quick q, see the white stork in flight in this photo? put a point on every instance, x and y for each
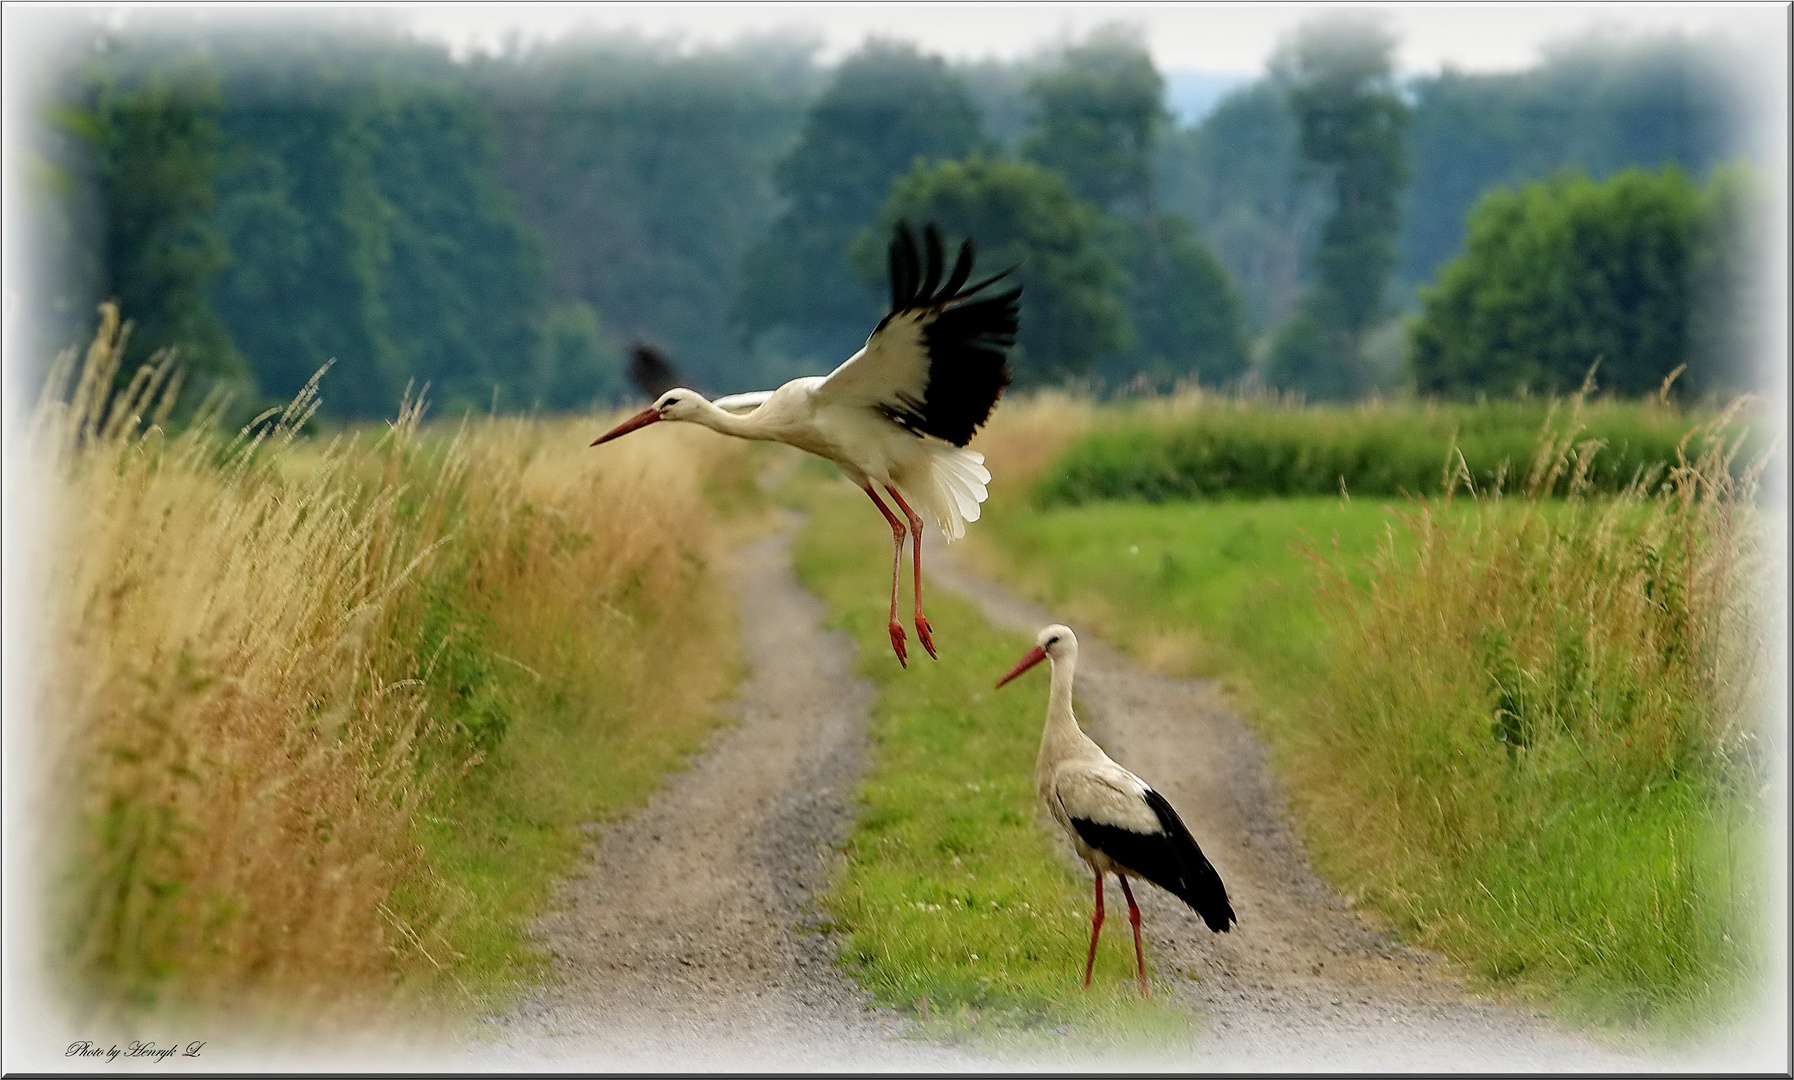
(898, 414)
(1118, 824)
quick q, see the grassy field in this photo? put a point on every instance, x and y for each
(327, 714)
(1520, 728)
(1194, 588)
(955, 904)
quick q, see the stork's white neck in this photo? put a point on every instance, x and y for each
(742, 427)
(1063, 738)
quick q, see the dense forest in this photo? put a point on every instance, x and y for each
(269, 197)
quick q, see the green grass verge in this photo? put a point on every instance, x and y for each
(955, 905)
(552, 663)
(500, 840)
(1604, 870)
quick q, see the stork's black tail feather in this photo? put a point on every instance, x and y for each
(1189, 876)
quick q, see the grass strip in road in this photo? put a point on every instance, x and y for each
(955, 904)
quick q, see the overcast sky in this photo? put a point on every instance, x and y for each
(1227, 39)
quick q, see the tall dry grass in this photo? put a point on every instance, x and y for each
(267, 657)
(1540, 742)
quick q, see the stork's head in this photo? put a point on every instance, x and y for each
(1056, 643)
(676, 404)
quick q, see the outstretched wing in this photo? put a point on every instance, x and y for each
(939, 361)
(651, 370)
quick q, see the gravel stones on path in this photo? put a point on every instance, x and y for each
(689, 941)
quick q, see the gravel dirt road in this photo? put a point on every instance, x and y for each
(687, 943)
(690, 944)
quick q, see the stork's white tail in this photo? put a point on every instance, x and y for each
(954, 488)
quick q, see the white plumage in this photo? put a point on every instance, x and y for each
(1117, 822)
(898, 413)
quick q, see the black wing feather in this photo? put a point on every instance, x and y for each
(931, 277)
(968, 341)
(652, 372)
(904, 272)
(1169, 859)
(961, 269)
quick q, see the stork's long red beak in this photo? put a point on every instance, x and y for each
(1035, 656)
(640, 420)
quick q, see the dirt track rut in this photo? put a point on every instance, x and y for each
(684, 946)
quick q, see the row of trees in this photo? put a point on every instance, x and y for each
(1114, 286)
(297, 197)
(500, 226)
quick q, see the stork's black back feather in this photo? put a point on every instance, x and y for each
(652, 372)
(1169, 859)
(968, 342)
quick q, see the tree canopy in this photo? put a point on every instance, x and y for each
(152, 151)
(1351, 122)
(1185, 314)
(1593, 105)
(1238, 177)
(648, 174)
(888, 108)
(269, 195)
(1099, 111)
(1564, 274)
(1028, 217)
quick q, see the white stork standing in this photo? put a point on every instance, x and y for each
(899, 412)
(1118, 824)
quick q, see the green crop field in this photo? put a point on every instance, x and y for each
(1201, 446)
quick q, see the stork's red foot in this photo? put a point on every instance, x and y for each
(927, 638)
(897, 638)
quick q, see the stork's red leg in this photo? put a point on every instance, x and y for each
(915, 546)
(1096, 927)
(897, 636)
(1133, 914)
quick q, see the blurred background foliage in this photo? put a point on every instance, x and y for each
(267, 196)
